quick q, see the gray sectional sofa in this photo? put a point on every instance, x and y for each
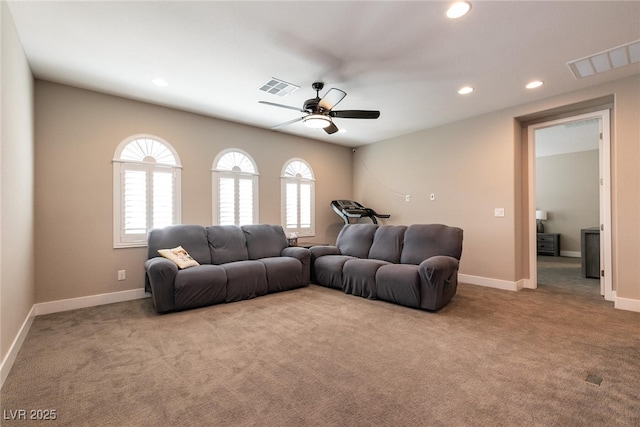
(235, 263)
(415, 265)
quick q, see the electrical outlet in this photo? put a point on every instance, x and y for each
(407, 198)
(498, 212)
(122, 274)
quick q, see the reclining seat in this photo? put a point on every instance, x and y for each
(354, 241)
(427, 276)
(359, 275)
(286, 267)
(176, 289)
(245, 278)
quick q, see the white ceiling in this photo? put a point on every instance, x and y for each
(580, 135)
(405, 59)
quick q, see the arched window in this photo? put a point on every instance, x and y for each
(298, 198)
(235, 188)
(146, 189)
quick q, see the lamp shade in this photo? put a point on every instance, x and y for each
(317, 121)
(541, 215)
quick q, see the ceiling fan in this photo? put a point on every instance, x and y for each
(319, 111)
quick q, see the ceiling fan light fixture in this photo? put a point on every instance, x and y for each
(317, 121)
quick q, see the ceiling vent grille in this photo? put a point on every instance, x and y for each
(279, 87)
(608, 60)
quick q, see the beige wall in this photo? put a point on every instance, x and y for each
(16, 185)
(77, 132)
(476, 165)
(567, 188)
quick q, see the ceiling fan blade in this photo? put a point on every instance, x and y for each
(290, 122)
(332, 128)
(282, 106)
(355, 114)
(331, 98)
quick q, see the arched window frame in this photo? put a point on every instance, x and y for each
(238, 168)
(154, 158)
(296, 180)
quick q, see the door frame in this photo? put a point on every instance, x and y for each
(604, 154)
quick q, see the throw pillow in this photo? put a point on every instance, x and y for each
(179, 256)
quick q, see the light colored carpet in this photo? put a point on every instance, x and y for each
(316, 356)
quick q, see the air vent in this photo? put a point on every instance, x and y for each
(608, 60)
(279, 87)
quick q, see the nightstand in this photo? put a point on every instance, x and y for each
(548, 244)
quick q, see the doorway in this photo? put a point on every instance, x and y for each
(565, 143)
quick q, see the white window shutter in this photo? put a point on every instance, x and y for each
(134, 201)
(163, 200)
(227, 205)
(146, 189)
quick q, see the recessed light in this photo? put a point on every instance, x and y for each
(458, 9)
(465, 90)
(534, 84)
(160, 82)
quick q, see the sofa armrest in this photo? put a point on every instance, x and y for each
(161, 274)
(438, 281)
(322, 250)
(304, 256)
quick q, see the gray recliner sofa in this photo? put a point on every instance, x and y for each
(236, 263)
(415, 265)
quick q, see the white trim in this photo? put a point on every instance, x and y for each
(626, 304)
(126, 141)
(58, 306)
(504, 285)
(215, 184)
(88, 301)
(7, 363)
(605, 198)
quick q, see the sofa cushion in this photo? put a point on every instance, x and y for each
(193, 238)
(227, 243)
(387, 243)
(283, 273)
(328, 270)
(264, 240)
(399, 283)
(359, 277)
(422, 241)
(356, 239)
(245, 280)
(200, 286)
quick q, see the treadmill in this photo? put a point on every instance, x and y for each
(347, 209)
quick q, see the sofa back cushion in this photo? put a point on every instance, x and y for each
(264, 240)
(193, 238)
(387, 243)
(227, 243)
(422, 241)
(356, 239)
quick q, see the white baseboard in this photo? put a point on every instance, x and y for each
(57, 306)
(88, 301)
(619, 303)
(7, 363)
(505, 285)
(626, 304)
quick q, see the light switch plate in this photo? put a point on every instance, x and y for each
(499, 212)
